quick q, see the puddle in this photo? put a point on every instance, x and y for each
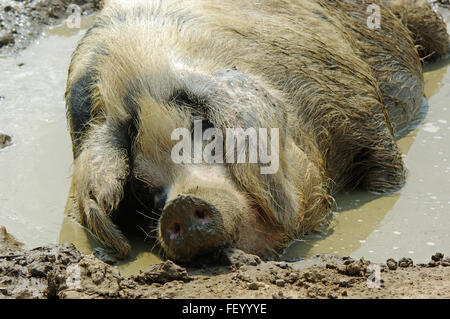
(35, 170)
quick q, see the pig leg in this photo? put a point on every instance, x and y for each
(100, 173)
(379, 167)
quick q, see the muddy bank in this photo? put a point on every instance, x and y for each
(61, 271)
(23, 21)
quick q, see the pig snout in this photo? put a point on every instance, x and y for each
(190, 226)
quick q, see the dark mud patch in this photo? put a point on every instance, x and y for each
(23, 21)
(60, 271)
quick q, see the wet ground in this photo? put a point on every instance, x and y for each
(35, 170)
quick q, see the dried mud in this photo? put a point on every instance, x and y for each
(61, 271)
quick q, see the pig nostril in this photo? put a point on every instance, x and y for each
(174, 230)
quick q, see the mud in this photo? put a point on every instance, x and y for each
(61, 271)
(7, 241)
(23, 21)
(5, 140)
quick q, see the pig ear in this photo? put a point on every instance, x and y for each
(233, 99)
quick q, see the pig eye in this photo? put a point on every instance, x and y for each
(182, 98)
(200, 214)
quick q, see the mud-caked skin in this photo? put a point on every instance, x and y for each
(337, 90)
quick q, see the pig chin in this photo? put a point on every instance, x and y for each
(202, 213)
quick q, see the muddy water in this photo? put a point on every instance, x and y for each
(35, 171)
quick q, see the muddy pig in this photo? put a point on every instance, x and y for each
(332, 90)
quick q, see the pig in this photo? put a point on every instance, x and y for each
(333, 91)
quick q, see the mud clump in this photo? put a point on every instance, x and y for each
(392, 264)
(353, 268)
(237, 258)
(405, 262)
(313, 276)
(22, 21)
(438, 259)
(5, 140)
(162, 273)
(256, 285)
